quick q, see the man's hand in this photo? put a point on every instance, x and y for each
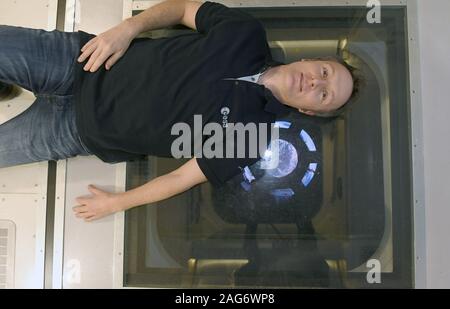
(97, 206)
(160, 188)
(109, 46)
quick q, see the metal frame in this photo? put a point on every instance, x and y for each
(60, 186)
(71, 6)
(142, 5)
(418, 185)
(41, 212)
(119, 230)
(41, 215)
(418, 173)
(58, 232)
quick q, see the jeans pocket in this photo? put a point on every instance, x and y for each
(62, 103)
(52, 100)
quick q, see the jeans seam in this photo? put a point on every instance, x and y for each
(83, 146)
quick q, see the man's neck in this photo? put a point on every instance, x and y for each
(271, 79)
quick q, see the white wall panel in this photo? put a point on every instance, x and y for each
(88, 246)
(27, 211)
(39, 14)
(98, 16)
(435, 66)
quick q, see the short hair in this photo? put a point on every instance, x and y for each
(358, 84)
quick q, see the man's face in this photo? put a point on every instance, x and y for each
(314, 86)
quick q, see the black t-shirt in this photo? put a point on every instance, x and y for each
(128, 112)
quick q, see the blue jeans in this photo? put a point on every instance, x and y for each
(42, 62)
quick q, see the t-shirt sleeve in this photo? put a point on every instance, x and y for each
(219, 170)
(211, 14)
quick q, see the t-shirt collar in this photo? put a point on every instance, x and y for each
(273, 105)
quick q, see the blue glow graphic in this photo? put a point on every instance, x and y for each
(248, 175)
(282, 194)
(308, 140)
(309, 175)
(246, 186)
(307, 178)
(312, 167)
(282, 124)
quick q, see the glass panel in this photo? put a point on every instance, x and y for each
(338, 207)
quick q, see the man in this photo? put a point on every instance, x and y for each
(127, 93)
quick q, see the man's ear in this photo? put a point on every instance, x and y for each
(310, 113)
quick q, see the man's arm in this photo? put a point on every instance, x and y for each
(111, 45)
(104, 203)
(165, 14)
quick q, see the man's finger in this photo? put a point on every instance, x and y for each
(81, 209)
(99, 61)
(90, 218)
(92, 60)
(112, 60)
(84, 215)
(87, 53)
(88, 50)
(88, 44)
